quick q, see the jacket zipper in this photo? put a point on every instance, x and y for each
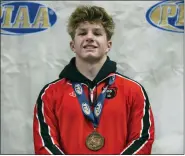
(91, 95)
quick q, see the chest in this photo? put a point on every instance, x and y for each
(116, 104)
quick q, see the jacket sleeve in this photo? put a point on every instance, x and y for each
(140, 126)
(45, 130)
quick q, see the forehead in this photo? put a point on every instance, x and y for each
(87, 26)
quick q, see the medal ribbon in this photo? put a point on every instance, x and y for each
(94, 116)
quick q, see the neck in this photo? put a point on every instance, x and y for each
(89, 69)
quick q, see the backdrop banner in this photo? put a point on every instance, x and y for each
(147, 46)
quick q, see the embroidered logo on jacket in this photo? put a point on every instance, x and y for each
(72, 94)
(111, 92)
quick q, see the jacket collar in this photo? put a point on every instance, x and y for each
(71, 73)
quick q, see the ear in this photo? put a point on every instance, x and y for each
(109, 45)
(72, 46)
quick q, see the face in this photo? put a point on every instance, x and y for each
(90, 42)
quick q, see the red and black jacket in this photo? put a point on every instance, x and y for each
(127, 123)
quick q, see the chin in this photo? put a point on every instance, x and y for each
(92, 58)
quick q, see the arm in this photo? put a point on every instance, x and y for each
(45, 130)
(140, 126)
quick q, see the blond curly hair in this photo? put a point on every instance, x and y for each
(91, 14)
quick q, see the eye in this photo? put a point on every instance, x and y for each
(82, 33)
(97, 33)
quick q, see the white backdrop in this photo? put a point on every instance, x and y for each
(147, 54)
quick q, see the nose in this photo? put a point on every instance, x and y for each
(90, 37)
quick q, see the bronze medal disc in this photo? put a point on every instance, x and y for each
(95, 141)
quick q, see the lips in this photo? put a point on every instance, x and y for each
(89, 46)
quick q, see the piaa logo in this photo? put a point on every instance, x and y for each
(18, 18)
(167, 15)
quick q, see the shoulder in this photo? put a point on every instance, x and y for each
(52, 86)
(127, 81)
(132, 86)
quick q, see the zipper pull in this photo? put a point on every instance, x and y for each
(91, 95)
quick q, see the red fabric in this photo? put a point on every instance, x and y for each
(124, 122)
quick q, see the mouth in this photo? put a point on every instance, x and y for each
(89, 47)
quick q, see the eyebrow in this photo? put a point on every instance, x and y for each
(96, 29)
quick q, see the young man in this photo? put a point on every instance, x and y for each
(91, 108)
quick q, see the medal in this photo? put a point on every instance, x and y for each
(95, 141)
